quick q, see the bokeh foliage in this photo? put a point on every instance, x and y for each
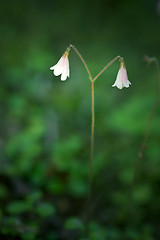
(45, 123)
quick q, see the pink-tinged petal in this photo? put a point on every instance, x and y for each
(125, 80)
(122, 78)
(65, 70)
(67, 67)
(62, 67)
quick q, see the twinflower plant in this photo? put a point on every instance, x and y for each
(62, 68)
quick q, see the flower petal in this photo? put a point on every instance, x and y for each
(63, 77)
(126, 84)
(52, 68)
(122, 78)
(119, 84)
(65, 71)
(62, 67)
(67, 67)
(58, 67)
(57, 71)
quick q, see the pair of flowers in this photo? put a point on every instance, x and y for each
(62, 68)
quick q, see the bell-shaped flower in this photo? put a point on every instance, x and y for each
(122, 78)
(62, 67)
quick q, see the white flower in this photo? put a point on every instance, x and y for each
(62, 67)
(122, 78)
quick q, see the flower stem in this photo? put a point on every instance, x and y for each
(92, 124)
(146, 133)
(93, 112)
(92, 144)
(82, 59)
(112, 61)
(143, 145)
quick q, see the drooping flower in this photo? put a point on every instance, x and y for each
(62, 66)
(122, 78)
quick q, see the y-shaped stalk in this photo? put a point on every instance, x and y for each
(93, 112)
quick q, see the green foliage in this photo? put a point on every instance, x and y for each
(74, 223)
(17, 207)
(45, 209)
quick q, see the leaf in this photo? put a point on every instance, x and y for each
(18, 207)
(45, 209)
(74, 223)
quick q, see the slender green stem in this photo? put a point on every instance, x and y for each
(82, 59)
(92, 124)
(93, 113)
(143, 145)
(92, 143)
(146, 133)
(112, 61)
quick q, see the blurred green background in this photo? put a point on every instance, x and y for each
(45, 123)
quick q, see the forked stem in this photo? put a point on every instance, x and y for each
(93, 112)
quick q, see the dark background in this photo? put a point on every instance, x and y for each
(45, 123)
